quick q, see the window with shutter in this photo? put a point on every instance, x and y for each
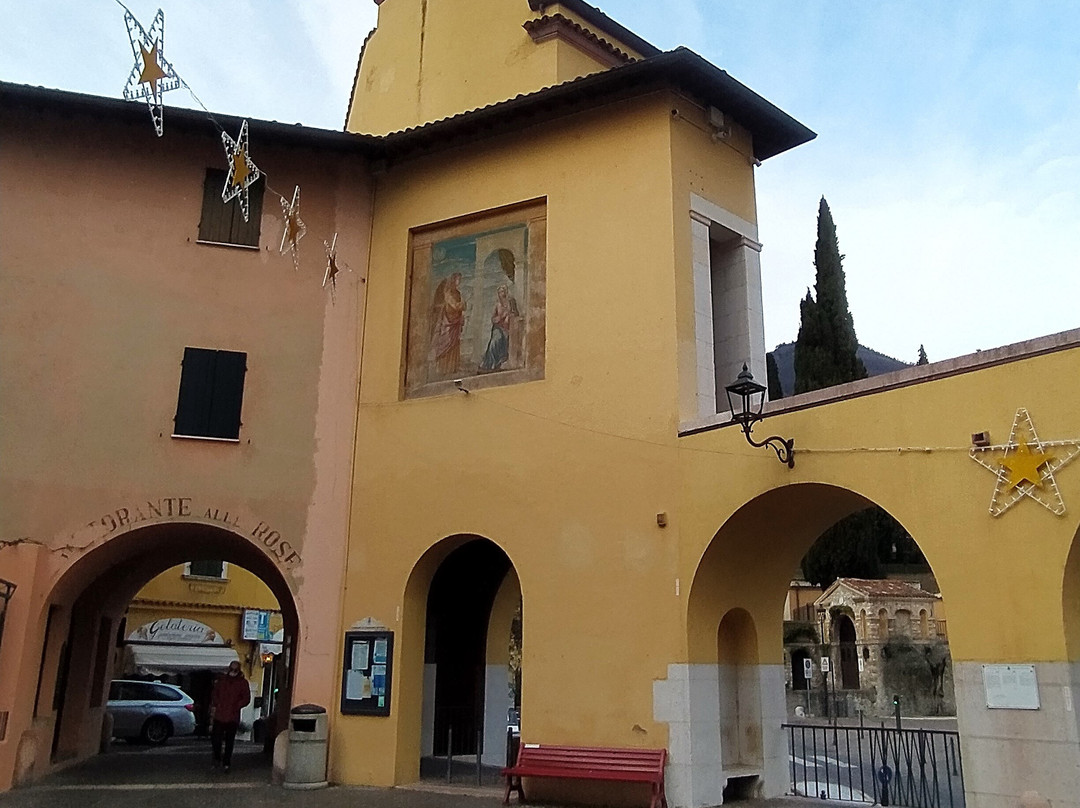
(211, 394)
(207, 569)
(223, 222)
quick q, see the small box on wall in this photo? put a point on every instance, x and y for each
(367, 672)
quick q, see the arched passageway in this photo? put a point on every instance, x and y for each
(737, 597)
(84, 636)
(468, 684)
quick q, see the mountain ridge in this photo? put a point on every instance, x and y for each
(876, 364)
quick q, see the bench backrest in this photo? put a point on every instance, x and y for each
(585, 759)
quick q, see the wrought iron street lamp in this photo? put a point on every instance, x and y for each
(745, 399)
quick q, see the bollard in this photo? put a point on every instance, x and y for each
(479, 746)
(449, 751)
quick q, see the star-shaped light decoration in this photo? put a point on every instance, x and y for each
(242, 172)
(151, 76)
(333, 267)
(294, 229)
(1025, 467)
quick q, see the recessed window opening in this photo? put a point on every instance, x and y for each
(223, 222)
(211, 394)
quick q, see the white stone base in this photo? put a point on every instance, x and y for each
(496, 705)
(427, 713)
(1009, 752)
(688, 701)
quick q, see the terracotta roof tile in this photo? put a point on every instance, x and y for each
(886, 588)
(552, 22)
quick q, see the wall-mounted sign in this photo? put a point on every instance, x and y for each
(257, 626)
(176, 631)
(1011, 687)
(366, 674)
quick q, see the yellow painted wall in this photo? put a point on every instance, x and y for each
(431, 59)
(595, 435)
(241, 589)
(1017, 561)
(568, 473)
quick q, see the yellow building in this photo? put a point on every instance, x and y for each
(517, 399)
(188, 623)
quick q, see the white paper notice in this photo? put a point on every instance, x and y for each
(1011, 687)
(359, 656)
(354, 684)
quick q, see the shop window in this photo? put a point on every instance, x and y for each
(211, 394)
(223, 222)
(205, 569)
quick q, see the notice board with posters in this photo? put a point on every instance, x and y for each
(367, 672)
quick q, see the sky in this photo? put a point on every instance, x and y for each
(948, 142)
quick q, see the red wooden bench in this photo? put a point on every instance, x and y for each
(588, 763)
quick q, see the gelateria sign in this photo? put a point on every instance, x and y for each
(176, 630)
(150, 511)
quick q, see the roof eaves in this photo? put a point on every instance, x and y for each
(772, 129)
(182, 119)
(595, 17)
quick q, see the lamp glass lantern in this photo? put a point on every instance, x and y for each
(746, 398)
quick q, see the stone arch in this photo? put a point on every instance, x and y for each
(80, 612)
(1070, 602)
(423, 728)
(733, 573)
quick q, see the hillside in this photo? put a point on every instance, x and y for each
(876, 364)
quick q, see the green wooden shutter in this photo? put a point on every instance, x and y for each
(196, 389)
(228, 395)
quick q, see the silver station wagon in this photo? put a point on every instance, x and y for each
(149, 711)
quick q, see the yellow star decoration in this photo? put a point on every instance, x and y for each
(151, 71)
(239, 168)
(294, 229)
(332, 267)
(242, 172)
(1025, 467)
(152, 76)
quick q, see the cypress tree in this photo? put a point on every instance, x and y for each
(825, 355)
(772, 372)
(922, 357)
(825, 351)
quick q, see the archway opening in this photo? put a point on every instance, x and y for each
(849, 653)
(133, 635)
(472, 648)
(882, 623)
(795, 621)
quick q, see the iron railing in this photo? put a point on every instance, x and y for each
(915, 768)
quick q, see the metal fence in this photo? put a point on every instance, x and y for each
(917, 768)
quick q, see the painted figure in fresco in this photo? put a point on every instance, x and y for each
(498, 349)
(447, 319)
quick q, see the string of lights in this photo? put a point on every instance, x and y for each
(152, 76)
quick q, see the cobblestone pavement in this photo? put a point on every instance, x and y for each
(179, 775)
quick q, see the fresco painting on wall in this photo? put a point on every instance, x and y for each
(477, 306)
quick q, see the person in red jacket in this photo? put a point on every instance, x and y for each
(231, 694)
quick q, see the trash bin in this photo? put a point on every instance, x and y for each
(305, 762)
